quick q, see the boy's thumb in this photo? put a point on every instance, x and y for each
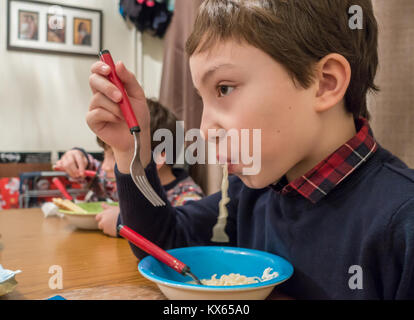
(128, 79)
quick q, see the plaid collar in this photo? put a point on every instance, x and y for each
(325, 176)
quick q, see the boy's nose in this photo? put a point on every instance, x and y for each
(208, 123)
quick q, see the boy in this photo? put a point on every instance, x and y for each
(328, 197)
(178, 185)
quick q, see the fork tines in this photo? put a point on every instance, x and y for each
(145, 187)
(140, 179)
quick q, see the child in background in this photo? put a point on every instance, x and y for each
(328, 198)
(178, 185)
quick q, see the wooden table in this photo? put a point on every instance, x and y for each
(94, 266)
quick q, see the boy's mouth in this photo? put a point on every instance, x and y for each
(231, 167)
(222, 160)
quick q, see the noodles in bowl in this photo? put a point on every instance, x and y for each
(236, 279)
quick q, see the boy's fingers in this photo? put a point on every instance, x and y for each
(101, 84)
(69, 164)
(98, 217)
(104, 206)
(98, 118)
(59, 164)
(101, 68)
(130, 82)
(101, 101)
(81, 162)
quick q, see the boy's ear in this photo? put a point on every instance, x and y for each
(333, 77)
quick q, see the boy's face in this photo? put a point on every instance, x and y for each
(244, 88)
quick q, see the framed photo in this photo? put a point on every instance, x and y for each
(53, 28)
(56, 28)
(82, 31)
(28, 25)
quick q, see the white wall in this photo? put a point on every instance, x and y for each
(152, 51)
(44, 97)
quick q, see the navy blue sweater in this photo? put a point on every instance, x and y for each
(367, 221)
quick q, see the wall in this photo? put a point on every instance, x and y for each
(44, 97)
(392, 108)
(152, 58)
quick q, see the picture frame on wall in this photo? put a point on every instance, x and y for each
(53, 28)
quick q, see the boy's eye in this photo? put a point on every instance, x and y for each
(224, 90)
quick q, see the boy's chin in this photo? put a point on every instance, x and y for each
(254, 181)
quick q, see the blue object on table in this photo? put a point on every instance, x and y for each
(209, 260)
(57, 297)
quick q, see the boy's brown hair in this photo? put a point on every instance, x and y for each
(297, 34)
(162, 118)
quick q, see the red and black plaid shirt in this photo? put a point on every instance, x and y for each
(320, 180)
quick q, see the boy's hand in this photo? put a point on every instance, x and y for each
(74, 163)
(107, 219)
(106, 120)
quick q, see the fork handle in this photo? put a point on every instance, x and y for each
(152, 249)
(62, 188)
(90, 173)
(124, 104)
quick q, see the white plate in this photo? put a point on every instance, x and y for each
(83, 221)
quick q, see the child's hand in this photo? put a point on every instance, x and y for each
(74, 163)
(105, 117)
(107, 219)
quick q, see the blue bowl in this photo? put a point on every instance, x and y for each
(204, 262)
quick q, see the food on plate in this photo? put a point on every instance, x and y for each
(65, 204)
(235, 279)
